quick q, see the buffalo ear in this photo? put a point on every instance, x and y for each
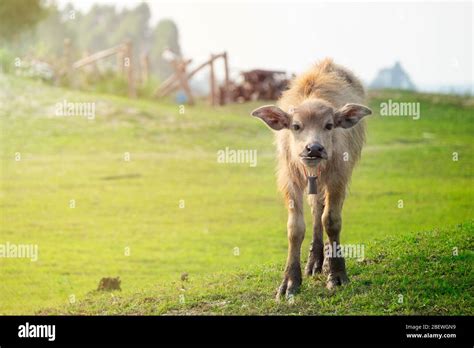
(350, 114)
(273, 116)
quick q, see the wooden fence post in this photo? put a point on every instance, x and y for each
(180, 68)
(226, 79)
(212, 82)
(128, 63)
(169, 85)
(120, 61)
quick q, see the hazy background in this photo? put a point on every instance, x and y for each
(432, 40)
(137, 191)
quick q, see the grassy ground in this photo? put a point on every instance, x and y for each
(414, 273)
(136, 204)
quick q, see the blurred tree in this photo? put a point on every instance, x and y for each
(165, 36)
(48, 38)
(95, 28)
(102, 27)
(18, 15)
(134, 26)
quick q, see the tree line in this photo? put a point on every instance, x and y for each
(28, 28)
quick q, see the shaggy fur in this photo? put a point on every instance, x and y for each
(324, 94)
(337, 86)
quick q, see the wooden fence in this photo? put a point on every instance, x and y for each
(125, 62)
(181, 77)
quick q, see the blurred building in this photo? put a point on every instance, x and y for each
(394, 77)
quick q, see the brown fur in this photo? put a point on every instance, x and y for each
(329, 82)
(318, 96)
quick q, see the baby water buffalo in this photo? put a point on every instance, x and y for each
(318, 134)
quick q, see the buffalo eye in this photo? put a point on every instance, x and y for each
(296, 127)
(329, 126)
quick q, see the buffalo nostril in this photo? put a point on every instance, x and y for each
(315, 150)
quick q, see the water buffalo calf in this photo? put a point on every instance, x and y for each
(319, 133)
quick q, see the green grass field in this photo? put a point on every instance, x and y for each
(135, 205)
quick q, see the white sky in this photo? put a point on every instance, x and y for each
(432, 40)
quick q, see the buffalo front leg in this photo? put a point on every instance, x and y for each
(316, 250)
(332, 222)
(296, 228)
